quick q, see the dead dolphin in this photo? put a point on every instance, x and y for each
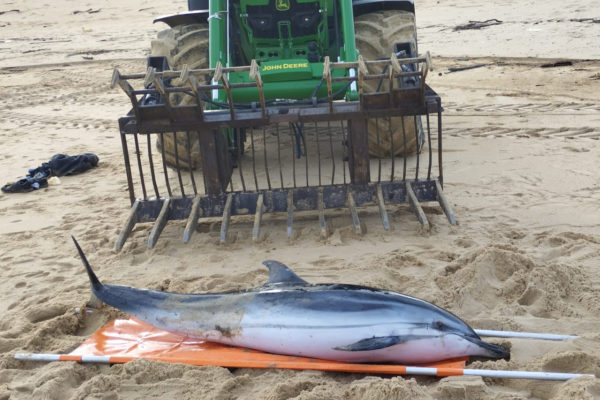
(287, 315)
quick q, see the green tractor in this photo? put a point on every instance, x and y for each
(281, 106)
(289, 39)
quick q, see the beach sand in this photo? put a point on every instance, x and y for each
(521, 162)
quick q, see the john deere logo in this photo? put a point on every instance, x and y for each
(282, 5)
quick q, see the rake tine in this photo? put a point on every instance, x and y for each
(177, 166)
(321, 207)
(127, 162)
(294, 138)
(226, 218)
(327, 77)
(151, 164)
(239, 158)
(344, 162)
(416, 206)
(382, 211)
(265, 157)
(352, 207)
(221, 76)
(302, 135)
(129, 224)
(160, 223)
(392, 147)
(378, 146)
(189, 155)
(403, 149)
(290, 213)
(255, 75)
(440, 148)
(318, 151)
(362, 71)
(418, 154)
(164, 163)
(279, 156)
(253, 158)
(444, 203)
(139, 162)
(258, 218)
(429, 146)
(193, 83)
(128, 89)
(426, 67)
(192, 220)
(116, 77)
(331, 152)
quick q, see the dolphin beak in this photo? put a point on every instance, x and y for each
(490, 350)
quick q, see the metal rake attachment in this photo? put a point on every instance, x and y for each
(279, 156)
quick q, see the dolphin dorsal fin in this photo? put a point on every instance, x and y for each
(280, 273)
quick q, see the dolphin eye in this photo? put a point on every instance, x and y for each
(439, 324)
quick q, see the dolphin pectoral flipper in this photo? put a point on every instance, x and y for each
(281, 273)
(373, 343)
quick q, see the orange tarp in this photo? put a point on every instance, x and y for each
(127, 340)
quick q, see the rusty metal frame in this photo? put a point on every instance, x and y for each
(220, 200)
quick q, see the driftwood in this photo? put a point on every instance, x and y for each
(466, 67)
(89, 11)
(557, 64)
(478, 24)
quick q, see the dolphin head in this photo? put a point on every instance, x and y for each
(448, 324)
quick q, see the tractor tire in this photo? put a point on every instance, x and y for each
(376, 33)
(185, 44)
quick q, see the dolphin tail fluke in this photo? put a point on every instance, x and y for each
(94, 281)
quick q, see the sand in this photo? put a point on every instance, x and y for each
(521, 159)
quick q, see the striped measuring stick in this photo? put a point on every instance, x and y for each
(384, 369)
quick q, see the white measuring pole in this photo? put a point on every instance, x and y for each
(66, 357)
(432, 371)
(493, 373)
(524, 335)
(547, 376)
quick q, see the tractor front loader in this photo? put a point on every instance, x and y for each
(256, 106)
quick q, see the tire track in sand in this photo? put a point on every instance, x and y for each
(526, 107)
(502, 113)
